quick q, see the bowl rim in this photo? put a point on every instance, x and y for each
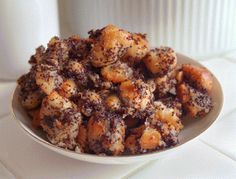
(55, 148)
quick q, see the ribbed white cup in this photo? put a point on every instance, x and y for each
(193, 27)
(24, 25)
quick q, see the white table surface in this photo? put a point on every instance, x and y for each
(213, 155)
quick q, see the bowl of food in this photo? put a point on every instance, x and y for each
(112, 99)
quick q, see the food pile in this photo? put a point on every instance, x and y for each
(110, 94)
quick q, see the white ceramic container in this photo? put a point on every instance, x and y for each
(192, 129)
(24, 25)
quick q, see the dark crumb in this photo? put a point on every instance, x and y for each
(94, 34)
(49, 120)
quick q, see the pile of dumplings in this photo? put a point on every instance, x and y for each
(110, 94)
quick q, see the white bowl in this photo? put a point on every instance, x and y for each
(192, 128)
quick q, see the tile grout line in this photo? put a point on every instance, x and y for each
(3, 162)
(129, 174)
(4, 81)
(232, 60)
(203, 60)
(213, 58)
(229, 113)
(8, 169)
(225, 115)
(217, 150)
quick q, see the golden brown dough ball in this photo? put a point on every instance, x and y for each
(53, 41)
(174, 103)
(198, 77)
(117, 72)
(75, 67)
(150, 139)
(62, 130)
(96, 129)
(32, 100)
(179, 76)
(35, 114)
(38, 56)
(57, 52)
(30, 95)
(111, 44)
(54, 104)
(142, 139)
(113, 102)
(106, 135)
(196, 103)
(136, 94)
(161, 60)
(92, 96)
(183, 93)
(68, 88)
(114, 138)
(166, 84)
(131, 144)
(90, 101)
(163, 85)
(152, 84)
(169, 134)
(139, 47)
(47, 78)
(168, 115)
(82, 138)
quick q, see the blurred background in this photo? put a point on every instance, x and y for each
(197, 28)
